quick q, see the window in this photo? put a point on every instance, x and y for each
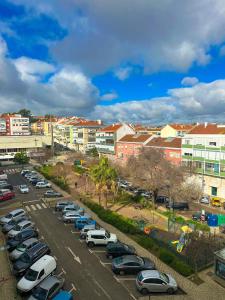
(187, 142)
(41, 273)
(188, 154)
(212, 143)
(213, 191)
(220, 269)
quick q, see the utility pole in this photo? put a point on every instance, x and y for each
(52, 137)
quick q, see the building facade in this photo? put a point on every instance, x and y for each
(175, 130)
(130, 145)
(203, 150)
(107, 137)
(14, 125)
(171, 148)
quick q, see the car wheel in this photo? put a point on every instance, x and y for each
(82, 237)
(144, 291)
(121, 272)
(110, 256)
(170, 291)
(91, 244)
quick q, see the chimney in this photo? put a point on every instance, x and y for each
(206, 123)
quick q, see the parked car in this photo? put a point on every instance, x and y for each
(3, 176)
(61, 204)
(205, 200)
(6, 194)
(11, 224)
(178, 205)
(63, 295)
(21, 248)
(72, 207)
(119, 249)
(216, 201)
(20, 227)
(41, 269)
(13, 215)
(71, 216)
(100, 237)
(43, 184)
(162, 199)
(6, 186)
(85, 229)
(29, 257)
(24, 189)
(30, 174)
(131, 264)
(82, 221)
(35, 180)
(52, 194)
(3, 182)
(24, 171)
(20, 237)
(155, 281)
(48, 288)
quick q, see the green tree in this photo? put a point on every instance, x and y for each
(21, 158)
(92, 152)
(104, 177)
(25, 112)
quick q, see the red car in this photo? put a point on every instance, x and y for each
(6, 195)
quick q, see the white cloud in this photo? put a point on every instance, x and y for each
(201, 102)
(123, 73)
(189, 81)
(32, 69)
(67, 91)
(109, 96)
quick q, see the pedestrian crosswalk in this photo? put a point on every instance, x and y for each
(34, 207)
(12, 171)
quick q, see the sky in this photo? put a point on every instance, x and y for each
(142, 61)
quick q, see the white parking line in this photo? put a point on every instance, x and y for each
(98, 251)
(31, 201)
(73, 288)
(103, 290)
(27, 208)
(126, 279)
(38, 206)
(77, 232)
(33, 207)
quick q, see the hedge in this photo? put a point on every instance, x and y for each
(128, 226)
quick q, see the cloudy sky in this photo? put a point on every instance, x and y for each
(152, 61)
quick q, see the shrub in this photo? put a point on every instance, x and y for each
(166, 256)
(181, 267)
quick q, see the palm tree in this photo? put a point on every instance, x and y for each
(104, 177)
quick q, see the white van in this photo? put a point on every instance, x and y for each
(41, 269)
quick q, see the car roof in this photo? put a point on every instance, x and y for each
(129, 258)
(41, 262)
(24, 222)
(30, 241)
(48, 282)
(16, 211)
(36, 247)
(150, 274)
(97, 231)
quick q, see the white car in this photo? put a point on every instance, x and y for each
(20, 227)
(43, 184)
(100, 237)
(205, 200)
(24, 189)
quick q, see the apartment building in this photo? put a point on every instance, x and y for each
(14, 125)
(203, 149)
(107, 137)
(175, 130)
(139, 129)
(130, 145)
(43, 126)
(170, 146)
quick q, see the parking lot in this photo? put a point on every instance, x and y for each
(87, 271)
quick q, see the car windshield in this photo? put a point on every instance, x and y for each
(21, 248)
(25, 258)
(31, 275)
(164, 277)
(23, 186)
(140, 260)
(8, 216)
(118, 260)
(107, 234)
(40, 293)
(17, 228)
(12, 222)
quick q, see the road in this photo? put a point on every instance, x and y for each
(87, 272)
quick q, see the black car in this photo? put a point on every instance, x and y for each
(162, 199)
(20, 237)
(29, 257)
(119, 249)
(11, 224)
(6, 186)
(52, 194)
(178, 205)
(34, 181)
(131, 264)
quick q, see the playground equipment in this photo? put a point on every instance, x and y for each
(184, 237)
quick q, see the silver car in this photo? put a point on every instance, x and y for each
(20, 227)
(13, 215)
(20, 249)
(155, 281)
(71, 216)
(85, 229)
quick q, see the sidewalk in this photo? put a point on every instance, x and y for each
(7, 280)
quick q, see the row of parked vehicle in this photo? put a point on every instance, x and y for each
(6, 189)
(35, 179)
(31, 261)
(125, 259)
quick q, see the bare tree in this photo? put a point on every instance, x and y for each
(62, 170)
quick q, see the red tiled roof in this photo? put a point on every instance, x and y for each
(184, 127)
(207, 128)
(111, 128)
(165, 142)
(135, 138)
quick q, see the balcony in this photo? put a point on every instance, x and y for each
(187, 146)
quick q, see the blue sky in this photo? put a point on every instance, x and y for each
(164, 63)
